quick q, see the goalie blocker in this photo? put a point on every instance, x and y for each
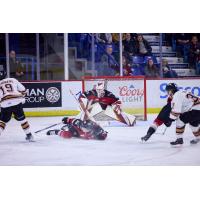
(103, 102)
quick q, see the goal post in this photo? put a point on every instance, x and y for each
(131, 90)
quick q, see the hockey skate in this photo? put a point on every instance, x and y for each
(195, 141)
(177, 142)
(29, 137)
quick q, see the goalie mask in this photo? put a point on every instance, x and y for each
(100, 89)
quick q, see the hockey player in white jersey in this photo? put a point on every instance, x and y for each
(185, 110)
(12, 94)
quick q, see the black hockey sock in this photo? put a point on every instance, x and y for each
(151, 131)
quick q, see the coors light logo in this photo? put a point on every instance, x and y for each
(131, 93)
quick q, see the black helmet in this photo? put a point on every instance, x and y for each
(172, 87)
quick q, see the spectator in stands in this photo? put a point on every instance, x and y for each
(133, 36)
(151, 69)
(105, 38)
(115, 37)
(165, 63)
(129, 45)
(182, 45)
(126, 67)
(167, 37)
(84, 45)
(167, 71)
(142, 46)
(16, 69)
(194, 52)
(129, 58)
(108, 65)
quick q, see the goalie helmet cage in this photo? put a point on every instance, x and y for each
(131, 90)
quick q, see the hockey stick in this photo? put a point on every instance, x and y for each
(163, 132)
(76, 100)
(83, 110)
(47, 127)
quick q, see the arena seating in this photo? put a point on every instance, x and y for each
(168, 53)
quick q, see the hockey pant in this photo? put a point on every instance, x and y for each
(192, 118)
(163, 116)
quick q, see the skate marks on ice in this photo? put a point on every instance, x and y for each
(122, 147)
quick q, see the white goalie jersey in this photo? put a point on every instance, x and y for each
(183, 102)
(12, 92)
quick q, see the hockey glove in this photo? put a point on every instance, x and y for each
(169, 122)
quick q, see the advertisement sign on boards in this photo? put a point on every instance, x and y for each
(43, 95)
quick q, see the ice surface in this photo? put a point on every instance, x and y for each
(122, 147)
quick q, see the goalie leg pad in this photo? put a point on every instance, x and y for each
(123, 117)
(128, 119)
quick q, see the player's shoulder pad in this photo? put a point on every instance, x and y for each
(179, 95)
(13, 79)
(9, 79)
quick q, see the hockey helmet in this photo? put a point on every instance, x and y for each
(172, 87)
(100, 86)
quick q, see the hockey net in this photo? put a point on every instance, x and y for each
(130, 90)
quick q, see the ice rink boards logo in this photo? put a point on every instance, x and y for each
(52, 94)
(43, 95)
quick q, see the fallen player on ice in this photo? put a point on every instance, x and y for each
(78, 128)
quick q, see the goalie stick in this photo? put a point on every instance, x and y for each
(81, 108)
(105, 123)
